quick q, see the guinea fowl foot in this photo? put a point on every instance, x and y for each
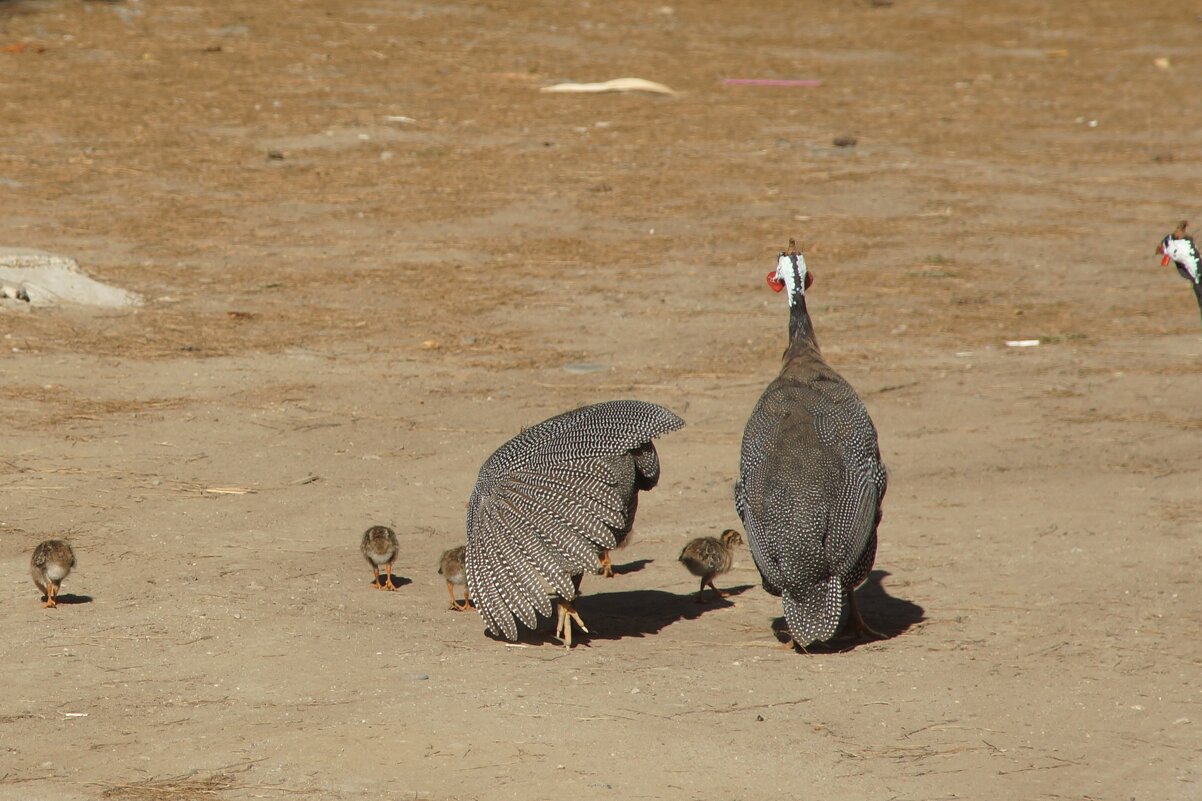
(856, 626)
(563, 623)
(607, 566)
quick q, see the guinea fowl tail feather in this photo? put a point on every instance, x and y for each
(815, 613)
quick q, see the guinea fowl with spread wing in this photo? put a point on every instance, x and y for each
(549, 500)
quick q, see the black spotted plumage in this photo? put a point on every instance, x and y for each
(811, 482)
(549, 499)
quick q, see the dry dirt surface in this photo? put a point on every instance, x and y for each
(371, 250)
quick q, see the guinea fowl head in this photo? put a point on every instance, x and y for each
(1179, 247)
(791, 273)
(731, 538)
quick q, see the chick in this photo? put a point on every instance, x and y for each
(708, 557)
(52, 561)
(379, 547)
(450, 567)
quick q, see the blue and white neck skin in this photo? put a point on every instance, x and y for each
(791, 271)
(1184, 253)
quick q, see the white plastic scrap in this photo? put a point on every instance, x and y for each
(616, 85)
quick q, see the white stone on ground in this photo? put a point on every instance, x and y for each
(49, 279)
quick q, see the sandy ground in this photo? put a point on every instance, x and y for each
(371, 251)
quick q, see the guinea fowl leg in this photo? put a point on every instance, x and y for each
(51, 593)
(563, 623)
(856, 624)
(607, 566)
(388, 585)
(566, 613)
(455, 603)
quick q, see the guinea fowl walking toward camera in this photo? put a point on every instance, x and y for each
(549, 500)
(810, 481)
(1179, 248)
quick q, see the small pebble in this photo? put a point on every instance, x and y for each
(845, 141)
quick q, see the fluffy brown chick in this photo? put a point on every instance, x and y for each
(710, 556)
(51, 562)
(450, 567)
(379, 548)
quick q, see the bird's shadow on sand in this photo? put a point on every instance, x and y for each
(69, 598)
(888, 615)
(631, 567)
(629, 613)
(397, 581)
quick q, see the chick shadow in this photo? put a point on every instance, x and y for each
(397, 581)
(886, 614)
(69, 598)
(631, 567)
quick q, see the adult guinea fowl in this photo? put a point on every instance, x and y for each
(549, 500)
(1179, 248)
(811, 480)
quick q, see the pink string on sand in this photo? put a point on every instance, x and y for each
(805, 82)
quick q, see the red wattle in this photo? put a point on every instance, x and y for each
(774, 282)
(809, 279)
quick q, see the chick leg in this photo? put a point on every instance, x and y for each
(563, 623)
(388, 585)
(51, 596)
(856, 624)
(467, 597)
(701, 592)
(607, 566)
(375, 577)
(717, 592)
(455, 603)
